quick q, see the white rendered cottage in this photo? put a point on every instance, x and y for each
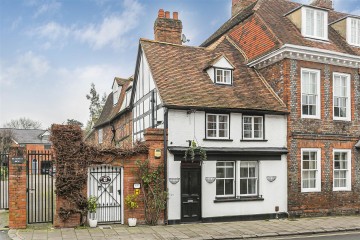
(210, 97)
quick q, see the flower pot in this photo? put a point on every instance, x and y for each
(132, 222)
(92, 223)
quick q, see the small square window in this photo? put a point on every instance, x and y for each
(253, 127)
(217, 126)
(223, 76)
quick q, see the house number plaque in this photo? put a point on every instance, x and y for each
(104, 179)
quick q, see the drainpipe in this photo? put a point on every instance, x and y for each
(165, 158)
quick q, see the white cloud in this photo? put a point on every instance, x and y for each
(16, 23)
(47, 8)
(110, 32)
(52, 31)
(26, 67)
(47, 93)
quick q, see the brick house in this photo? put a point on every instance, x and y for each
(209, 96)
(114, 125)
(31, 139)
(310, 56)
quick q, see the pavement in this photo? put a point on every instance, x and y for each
(197, 231)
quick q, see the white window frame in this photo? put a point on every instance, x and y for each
(100, 135)
(252, 127)
(217, 126)
(256, 178)
(348, 32)
(348, 92)
(304, 23)
(348, 170)
(317, 187)
(233, 178)
(223, 70)
(318, 97)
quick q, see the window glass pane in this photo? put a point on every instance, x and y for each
(247, 119)
(320, 24)
(220, 173)
(229, 172)
(220, 187)
(310, 22)
(252, 186)
(229, 186)
(244, 172)
(227, 76)
(243, 186)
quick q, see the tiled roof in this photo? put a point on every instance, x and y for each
(273, 13)
(180, 76)
(28, 136)
(230, 24)
(110, 111)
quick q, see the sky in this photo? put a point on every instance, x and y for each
(52, 50)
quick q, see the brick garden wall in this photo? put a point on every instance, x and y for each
(325, 133)
(154, 139)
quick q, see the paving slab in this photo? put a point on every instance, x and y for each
(198, 231)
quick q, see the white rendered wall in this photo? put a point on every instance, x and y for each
(144, 85)
(182, 125)
(181, 128)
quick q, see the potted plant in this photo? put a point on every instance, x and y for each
(194, 150)
(92, 205)
(131, 202)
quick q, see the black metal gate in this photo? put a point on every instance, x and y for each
(40, 187)
(4, 181)
(105, 184)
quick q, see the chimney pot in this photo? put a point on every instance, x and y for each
(167, 29)
(323, 4)
(167, 14)
(161, 13)
(239, 5)
(175, 15)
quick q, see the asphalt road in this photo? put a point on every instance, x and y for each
(329, 236)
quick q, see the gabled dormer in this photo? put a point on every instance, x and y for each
(116, 90)
(312, 21)
(349, 29)
(220, 71)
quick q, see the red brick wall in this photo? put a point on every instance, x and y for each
(154, 139)
(17, 189)
(253, 37)
(324, 133)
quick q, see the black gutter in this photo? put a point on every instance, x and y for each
(165, 159)
(227, 110)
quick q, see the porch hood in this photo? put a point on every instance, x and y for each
(233, 154)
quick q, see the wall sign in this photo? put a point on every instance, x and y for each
(104, 179)
(17, 160)
(137, 185)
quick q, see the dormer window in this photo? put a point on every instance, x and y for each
(314, 23)
(223, 76)
(353, 31)
(220, 71)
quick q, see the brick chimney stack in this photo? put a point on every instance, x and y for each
(239, 5)
(167, 29)
(323, 4)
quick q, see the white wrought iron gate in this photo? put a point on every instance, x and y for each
(105, 183)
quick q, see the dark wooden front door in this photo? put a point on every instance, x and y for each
(190, 193)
